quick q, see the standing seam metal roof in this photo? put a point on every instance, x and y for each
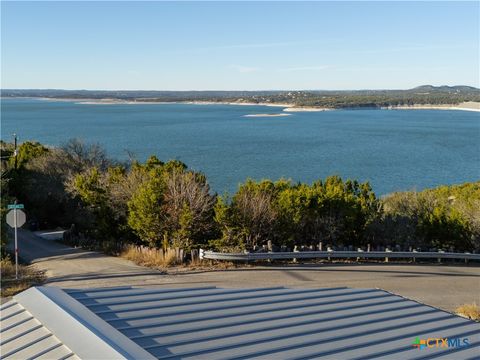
(24, 337)
(277, 323)
(259, 323)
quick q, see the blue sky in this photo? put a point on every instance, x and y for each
(239, 46)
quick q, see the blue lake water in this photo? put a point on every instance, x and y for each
(394, 150)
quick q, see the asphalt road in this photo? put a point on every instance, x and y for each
(69, 267)
(443, 286)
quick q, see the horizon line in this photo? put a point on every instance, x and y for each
(236, 90)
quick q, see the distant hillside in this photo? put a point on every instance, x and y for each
(445, 88)
(130, 94)
(421, 95)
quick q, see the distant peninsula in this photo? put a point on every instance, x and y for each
(422, 97)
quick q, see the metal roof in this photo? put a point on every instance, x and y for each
(69, 323)
(259, 323)
(24, 337)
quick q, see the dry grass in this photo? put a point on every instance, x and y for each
(157, 258)
(28, 276)
(214, 265)
(470, 311)
(211, 265)
(150, 257)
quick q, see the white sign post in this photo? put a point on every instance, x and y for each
(16, 218)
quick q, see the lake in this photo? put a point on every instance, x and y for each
(393, 149)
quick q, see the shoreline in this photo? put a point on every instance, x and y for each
(465, 106)
(232, 103)
(102, 101)
(307, 109)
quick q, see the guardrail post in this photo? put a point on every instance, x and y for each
(441, 252)
(368, 248)
(269, 249)
(329, 249)
(320, 246)
(466, 259)
(414, 258)
(295, 249)
(359, 250)
(387, 250)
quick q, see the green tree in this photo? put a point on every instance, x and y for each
(145, 216)
(26, 152)
(173, 201)
(444, 217)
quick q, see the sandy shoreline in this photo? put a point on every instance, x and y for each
(104, 101)
(286, 107)
(134, 102)
(306, 109)
(232, 103)
(465, 106)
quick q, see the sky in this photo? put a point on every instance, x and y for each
(238, 45)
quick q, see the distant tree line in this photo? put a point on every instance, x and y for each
(426, 94)
(163, 204)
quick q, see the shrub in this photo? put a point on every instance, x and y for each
(470, 311)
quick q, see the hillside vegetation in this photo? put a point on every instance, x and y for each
(421, 95)
(165, 204)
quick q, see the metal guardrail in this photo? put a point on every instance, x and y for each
(337, 255)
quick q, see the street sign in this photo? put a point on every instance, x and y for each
(21, 218)
(15, 206)
(16, 218)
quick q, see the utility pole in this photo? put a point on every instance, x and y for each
(15, 151)
(16, 235)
